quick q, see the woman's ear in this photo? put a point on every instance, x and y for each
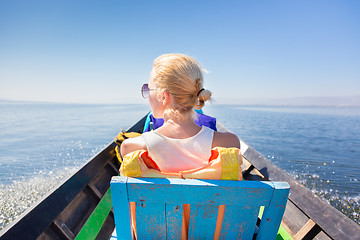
(166, 98)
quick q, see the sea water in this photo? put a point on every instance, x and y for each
(318, 146)
(41, 145)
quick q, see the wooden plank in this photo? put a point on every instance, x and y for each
(305, 231)
(239, 222)
(255, 175)
(112, 165)
(94, 223)
(250, 172)
(121, 207)
(283, 234)
(202, 221)
(246, 167)
(95, 190)
(294, 219)
(333, 222)
(250, 191)
(322, 236)
(107, 228)
(150, 220)
(151, 195)
(174, 215)
(272, 215)
(64, 229)
(79, 210)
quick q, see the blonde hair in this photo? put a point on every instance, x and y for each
(181, 76)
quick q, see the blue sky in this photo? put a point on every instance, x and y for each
(102, 51)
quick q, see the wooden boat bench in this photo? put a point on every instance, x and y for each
(159, 207)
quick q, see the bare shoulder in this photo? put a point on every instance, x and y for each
(132, 144)
(225, 139)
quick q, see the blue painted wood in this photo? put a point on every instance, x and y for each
(250, 193)
(150, 220)
(239, 222)
(272, 215)
(157, 198)
(174, 213)
(202, 221)
(121, 208)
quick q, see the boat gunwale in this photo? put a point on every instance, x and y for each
(311, 206)
(33, 222)
(331, 221)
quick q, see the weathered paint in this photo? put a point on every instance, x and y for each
(274, 212)
(243, 218)
(153, 194)
(174, 213)
(202, 221)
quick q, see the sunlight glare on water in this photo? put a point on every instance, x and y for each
(318, 146)
(41, 145)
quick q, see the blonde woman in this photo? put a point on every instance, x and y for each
(175, 89)
(180, 148)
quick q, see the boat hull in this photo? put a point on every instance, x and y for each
(65, 212)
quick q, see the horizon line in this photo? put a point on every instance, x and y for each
(209, 104)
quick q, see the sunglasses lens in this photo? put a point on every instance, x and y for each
(145, 90)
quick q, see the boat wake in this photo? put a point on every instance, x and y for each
(19, 196)
(348, 204)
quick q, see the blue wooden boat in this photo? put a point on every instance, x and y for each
(80, 208)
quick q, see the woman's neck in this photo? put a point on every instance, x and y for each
(182, 127)
(179, 123)
(181, 120)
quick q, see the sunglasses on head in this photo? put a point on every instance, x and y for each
(145, 90)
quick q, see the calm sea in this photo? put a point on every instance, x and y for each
(43, 144)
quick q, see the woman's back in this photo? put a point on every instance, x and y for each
(175, 89)
(179, 154)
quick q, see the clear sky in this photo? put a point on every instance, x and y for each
(102, 51)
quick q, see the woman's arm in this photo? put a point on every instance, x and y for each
(131, 145)
(225, 139)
